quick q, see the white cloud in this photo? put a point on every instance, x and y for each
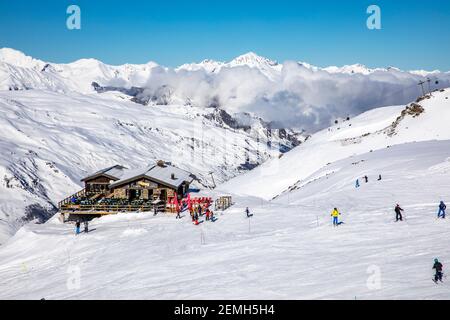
(299, 96)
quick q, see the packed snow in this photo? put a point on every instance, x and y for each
(287, 250)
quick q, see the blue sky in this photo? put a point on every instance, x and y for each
(414, 35)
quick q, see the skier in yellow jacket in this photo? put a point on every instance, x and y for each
(335, 214)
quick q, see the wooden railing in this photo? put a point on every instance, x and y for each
(81, 193)
(105, 208)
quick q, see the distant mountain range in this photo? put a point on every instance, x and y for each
(292, 94)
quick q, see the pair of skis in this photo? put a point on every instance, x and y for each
(437, 281)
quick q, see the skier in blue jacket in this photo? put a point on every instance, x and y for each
(442, 208)
(77, 227)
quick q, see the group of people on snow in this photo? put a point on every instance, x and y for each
(197, 212)
(438, 267)
(78, 226)
(366, 180)
(441, 211)
(398, 213)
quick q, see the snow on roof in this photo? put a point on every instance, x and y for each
(116, 171)
(131, 174)
(166, 174)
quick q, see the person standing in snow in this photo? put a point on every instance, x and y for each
(438, 267)
(398, 213)
(86, 226)
(366, 178)
(357, 183)
(196, 217)
(442, 208)
(207, 214)
(379, 177)
(247, 212)
(178, 214)
(335, 214)
(77, 227)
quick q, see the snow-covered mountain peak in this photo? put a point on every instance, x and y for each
(18, 58)
(207, 65)
(251, 59)
(351, 69)
(86, 62)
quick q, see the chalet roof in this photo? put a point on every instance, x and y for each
(163, 173)
(114, 172)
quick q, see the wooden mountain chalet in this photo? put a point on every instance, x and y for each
(119, 189)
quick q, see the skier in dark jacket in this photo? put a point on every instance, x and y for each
(86, 226)
(438, 267)
(379, 177)
(398, 213)
(442, 208)
(247, 212)
(366, 178)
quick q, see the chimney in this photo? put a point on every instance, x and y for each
(161, 163)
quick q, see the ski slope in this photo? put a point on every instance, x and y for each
(288, 250)
(50, 140)
(373, 130)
